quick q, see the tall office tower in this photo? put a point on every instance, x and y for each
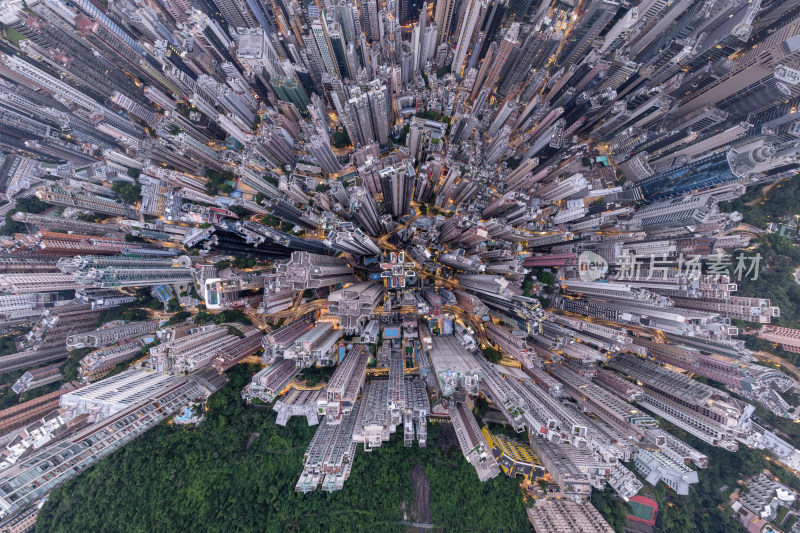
(763, 94)
(474, 79)
(347, 15)
(361, 116)
(416, 52)
(683, 211)
(353, 63)
(668, 63)
(339, 47)
(370, 20)
(313, 60)
(354, 304)
(322, 152)
(654, 20)
(724, 33)
(348, 238)
(305, 270)
(519, 178)
(319, 29)
(290, 90)
(593, 21)
(642, 116)
(472, 236)
(507, 45)
(409, 11)
(381, 108)
(546, 122)
(416, 135)
(702, 147)
(530, 55)
(700, 119)
(619, 72)
(469, 19)
(620, 33)
(501, 206)
(423, 187)
(278, 149)
(685, 28)
(500, 118)
(259, 234)
(397, 185)
(498, 145)
(362, 207)
(560, 189)
(282, 208)
(445, 10)
(236, 13)
(428, 42)
(448, 188)
(705, 412)
(636, 168)
(418, 45)
(392, 33)
(776, 50)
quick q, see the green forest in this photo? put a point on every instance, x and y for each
(779, 259)
(778, 203)
(237, 470)
(706, 508)
(780, 200)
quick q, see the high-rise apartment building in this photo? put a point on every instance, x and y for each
(305, 270)
(354, 304)
(707, 413)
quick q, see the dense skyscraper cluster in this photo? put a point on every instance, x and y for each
(526, 203)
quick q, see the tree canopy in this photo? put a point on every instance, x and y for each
(237, 471)
(130, 193)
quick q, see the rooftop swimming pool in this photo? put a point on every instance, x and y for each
(185, 416)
